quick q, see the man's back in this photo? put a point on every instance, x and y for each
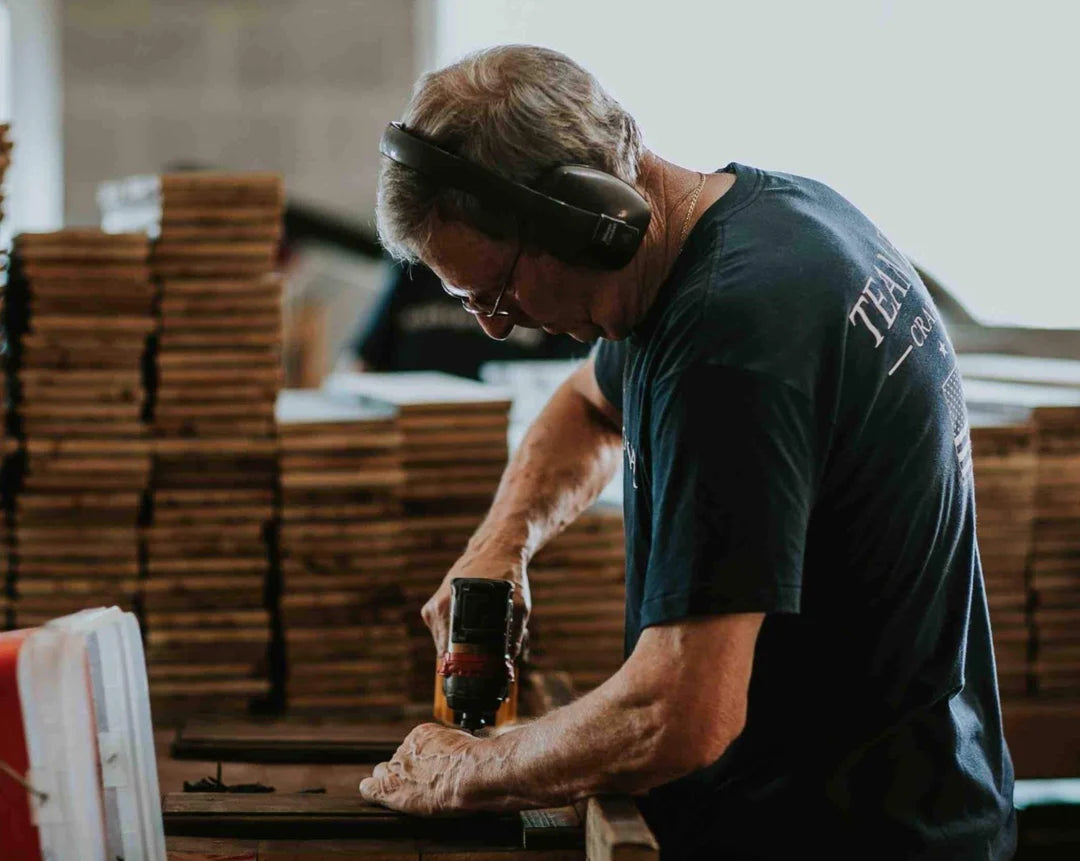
(797, 443)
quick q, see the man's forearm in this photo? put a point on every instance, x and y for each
(615, 739)
(567, 457)
(673, 707)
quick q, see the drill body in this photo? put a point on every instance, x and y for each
(476, 669)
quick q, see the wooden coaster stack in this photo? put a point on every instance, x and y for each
(219, 355)
(1055, 563)
(342, 555)
(80, 311)
(1041, 397)
(1005, 475)
(218, 361)
(454, 449)
(208, 563)
(578, 592)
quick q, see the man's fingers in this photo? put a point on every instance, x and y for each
(435, 614)
(522, 644)
(518, 630)
(369, 789)
(380, 789)
(439, 636)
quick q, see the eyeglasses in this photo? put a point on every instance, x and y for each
(476, 310)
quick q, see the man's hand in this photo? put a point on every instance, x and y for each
(485, 565)
(427, 774)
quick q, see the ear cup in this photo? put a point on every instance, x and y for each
(596, 191)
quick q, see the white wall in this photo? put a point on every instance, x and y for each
(954, 125)
(303, 87)
(33, 102)
(5, 62)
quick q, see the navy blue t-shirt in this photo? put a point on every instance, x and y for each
(796, 443)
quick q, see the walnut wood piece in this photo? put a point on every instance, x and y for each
(289, 741)
(304, 816)
(210, 849)
(616, 831)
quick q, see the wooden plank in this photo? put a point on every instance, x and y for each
(555, 827)
(616, 831)
(289, 741)
(339, 850)
(456, 852)
(302, 816)
(210, 849)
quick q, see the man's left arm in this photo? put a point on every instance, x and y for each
(673, 707)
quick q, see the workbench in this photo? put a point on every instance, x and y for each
(334, 822)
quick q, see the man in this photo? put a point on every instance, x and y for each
(809, 665)
(415, 326)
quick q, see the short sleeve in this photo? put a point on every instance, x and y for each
(609, 360)
(732, 487)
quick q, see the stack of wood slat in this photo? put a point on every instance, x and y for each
(80, 311)
(342, 555)
(1025, 416)
(454, 449)
(1005, 475)
(578, 592)
(208, 564)
(1055, 563)
(217, 361)
(215, 465)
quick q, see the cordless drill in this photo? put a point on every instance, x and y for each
(477, 670)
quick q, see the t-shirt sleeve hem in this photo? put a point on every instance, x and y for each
(604, 370)
(674, 606)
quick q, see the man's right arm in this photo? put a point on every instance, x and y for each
(567, 457)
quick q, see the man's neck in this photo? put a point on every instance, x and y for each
(671, 191)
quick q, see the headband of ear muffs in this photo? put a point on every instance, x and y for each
(578, 214)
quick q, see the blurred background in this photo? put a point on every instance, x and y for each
(952, 125)
(947, 123)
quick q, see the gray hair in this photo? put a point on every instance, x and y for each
(519, 110)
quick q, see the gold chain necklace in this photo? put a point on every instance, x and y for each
(690, 212)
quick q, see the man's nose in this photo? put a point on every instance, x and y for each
(498, 328)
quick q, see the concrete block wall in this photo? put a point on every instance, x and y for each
(299, 86)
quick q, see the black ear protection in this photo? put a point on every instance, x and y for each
(578, 214)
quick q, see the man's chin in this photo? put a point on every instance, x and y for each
(586, 335)
(583, 335)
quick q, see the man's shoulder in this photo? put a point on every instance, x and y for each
(766, 285)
